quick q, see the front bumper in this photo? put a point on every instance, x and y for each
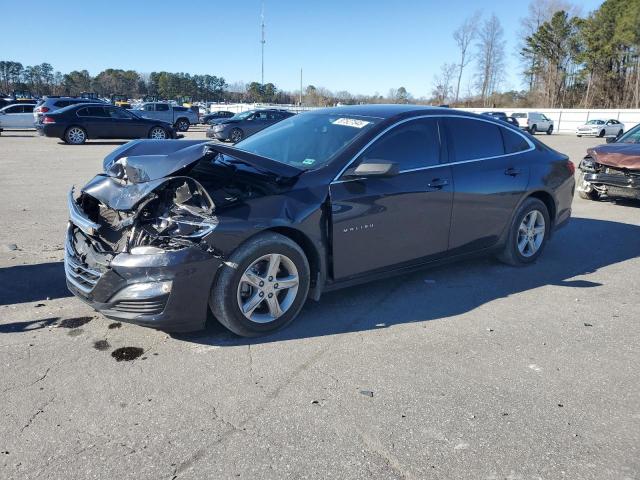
(169, 291)
(611, 182)
(587, 133)
(218, 135)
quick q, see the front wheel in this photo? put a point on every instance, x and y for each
(620, 132)
(236, 135)
(182, 125)
(266, 287)
(550, 130)
(158, 133)
(528, 234)
(601, 134)
(75, 136)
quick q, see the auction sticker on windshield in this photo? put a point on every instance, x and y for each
(350, 122)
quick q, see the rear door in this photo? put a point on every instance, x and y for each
(490, 176)
(381, 222)
(164, 112)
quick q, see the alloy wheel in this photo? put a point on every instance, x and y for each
(76, 135)
(268, 288)
(236, 135)
(531, 233)
(158, 133)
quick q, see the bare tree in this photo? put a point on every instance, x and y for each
(490, 57)
(443, 83)
(464, 36)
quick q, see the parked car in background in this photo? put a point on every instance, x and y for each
(534, 122)
(245, 124)
(612, 169)
(210, 118)
(512, 121)
(180, 117)
(77, 123)
(499, 115)
(170, 230)
(600, 128)
(17, 116)
(52, 103)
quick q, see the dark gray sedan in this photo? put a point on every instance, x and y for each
(245, 124)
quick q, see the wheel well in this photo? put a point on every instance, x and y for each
(547, 199)
(313, 257)
(182, 118)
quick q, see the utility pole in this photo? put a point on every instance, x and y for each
(262, 41)
(300, 87)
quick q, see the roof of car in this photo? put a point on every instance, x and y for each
(384, 110)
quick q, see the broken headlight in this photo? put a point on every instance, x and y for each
(588, 164)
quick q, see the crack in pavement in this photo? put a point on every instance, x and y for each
(38, 412)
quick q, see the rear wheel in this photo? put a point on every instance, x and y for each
(528, 233)
(75, 136)
(182, 124)
(265, 289)
(533, 129)
(158, 133)
(236, 135)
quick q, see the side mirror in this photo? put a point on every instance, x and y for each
(611, 139)
(375, 168)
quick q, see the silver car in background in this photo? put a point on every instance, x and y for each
(601, 128)
(18, 116)
(180, 117)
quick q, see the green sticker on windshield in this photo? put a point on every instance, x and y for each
(309, 161)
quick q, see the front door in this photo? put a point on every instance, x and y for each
(382, 222)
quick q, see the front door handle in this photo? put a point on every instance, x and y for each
(438, 183)
(512, 172)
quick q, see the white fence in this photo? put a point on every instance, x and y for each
(565, 120)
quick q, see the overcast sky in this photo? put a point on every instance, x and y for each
(356, 45)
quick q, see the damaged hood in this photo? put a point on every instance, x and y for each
(620, 155)
(148, 160)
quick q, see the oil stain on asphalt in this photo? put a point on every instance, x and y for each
(74, 322)
(127, 354)
(114, 325)
(101, 345)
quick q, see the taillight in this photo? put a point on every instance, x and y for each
(571, 167)
(48, 120)
(44, 109)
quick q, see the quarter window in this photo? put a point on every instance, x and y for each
(474, 139)
(414, 144)
(513, 142)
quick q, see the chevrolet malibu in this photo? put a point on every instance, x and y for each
(319, 201)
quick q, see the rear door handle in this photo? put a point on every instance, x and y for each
(512, 172)
(438, 183)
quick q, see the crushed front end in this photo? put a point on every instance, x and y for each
(613, 181)
(137, 252)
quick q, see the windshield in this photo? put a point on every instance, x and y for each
(632, 136)
(595, 122)
(308, 140)
(243, 115)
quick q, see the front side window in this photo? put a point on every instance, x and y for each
(118, 113)
(14, 109)
(414, 144)
(474, 139)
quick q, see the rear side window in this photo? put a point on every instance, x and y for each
(474, 139)
(513, 142)
(28, 108)
(413, 144)
(92, 112)
(62, 103)
(162, 107)
(180, 109)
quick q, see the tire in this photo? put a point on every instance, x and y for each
(182, 124)
(578, 136)
(158, 133)
(601, 134)
(75, 135)
(232, 289)
(236, 135)
(550, 130)
(533, 129)
(620, 132)
(512, 254)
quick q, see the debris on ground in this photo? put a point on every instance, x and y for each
(367, 393)
(114, 325)
(9, 247)
(38, 305)
(587, 324)
(126, 354)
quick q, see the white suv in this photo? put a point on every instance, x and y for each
(534, 122)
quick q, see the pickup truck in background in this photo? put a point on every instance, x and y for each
(180, 117)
